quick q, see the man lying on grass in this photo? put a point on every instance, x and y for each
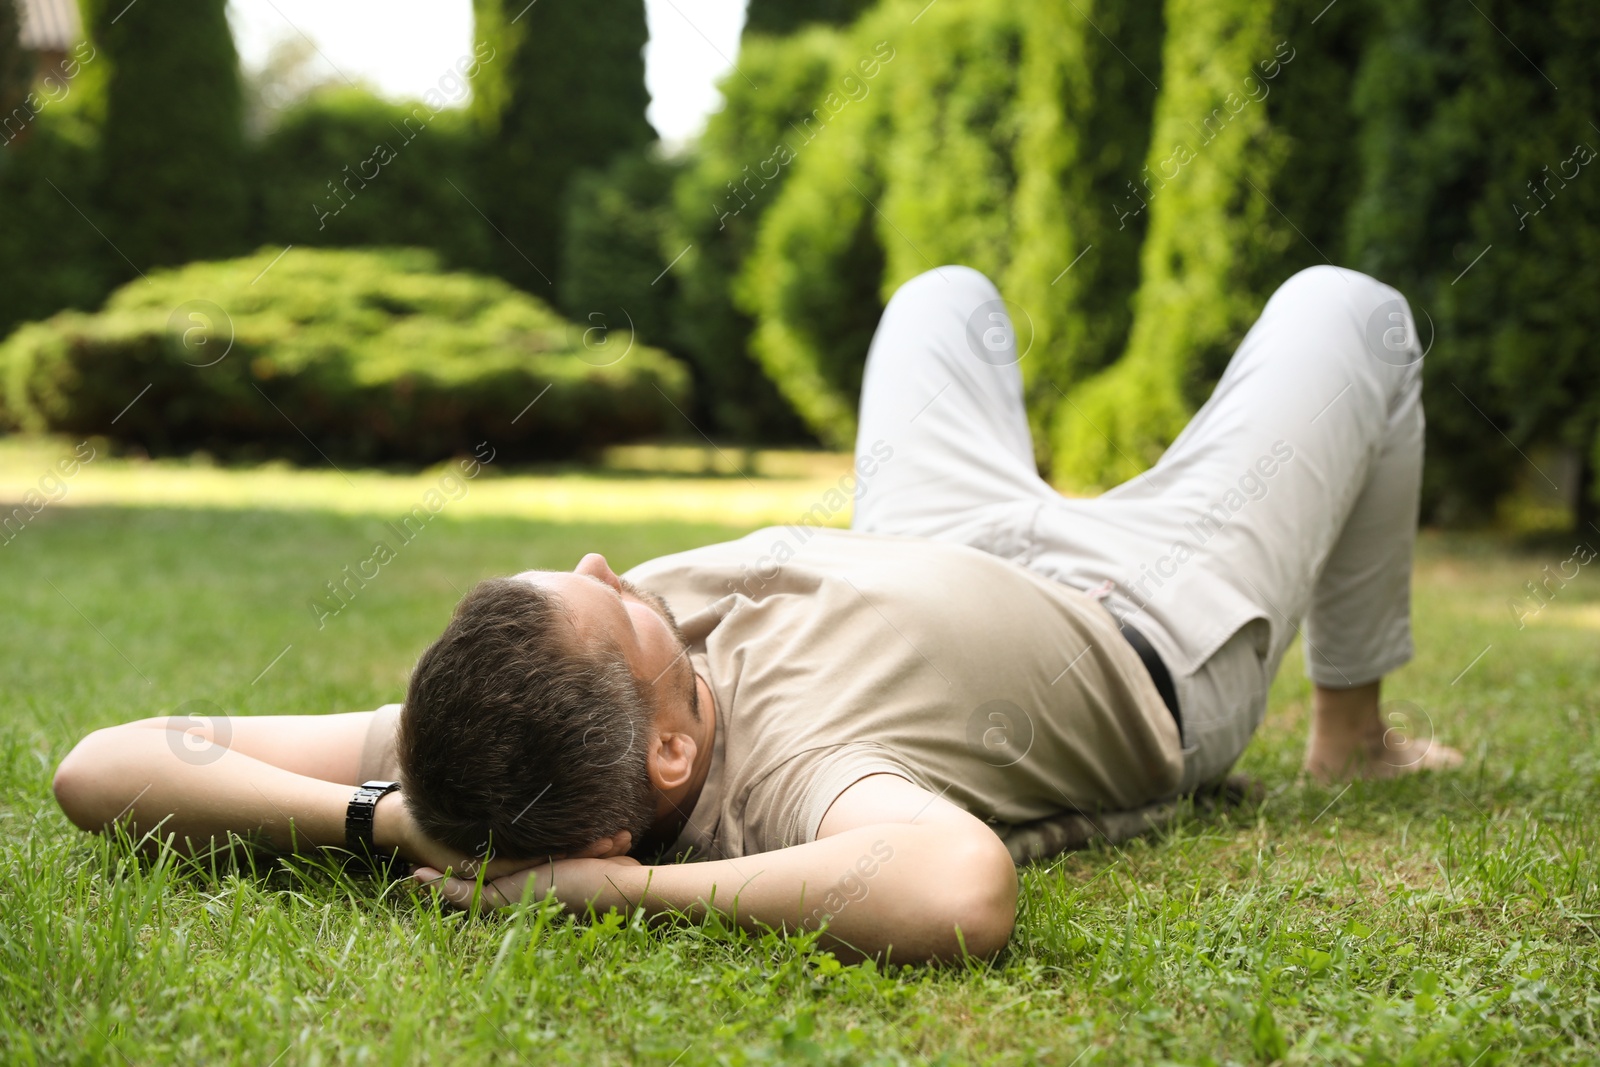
(868, 727)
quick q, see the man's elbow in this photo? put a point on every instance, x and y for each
(979, 909)
(77, 780)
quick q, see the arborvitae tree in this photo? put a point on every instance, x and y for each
(563, 91)
(49, 257)
(786, 16)
(613, 276)
(811, 280)
(175, 187)
(742, 160)
(1251, 165)
(1481, 200)
(994, 136)
(1084, 104)
(16, 67)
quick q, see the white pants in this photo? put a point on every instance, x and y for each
(1292, 493)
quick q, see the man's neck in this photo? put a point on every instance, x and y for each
(674, 808)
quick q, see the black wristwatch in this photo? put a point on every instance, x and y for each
(358, 817)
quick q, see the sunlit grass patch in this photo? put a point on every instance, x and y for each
(630, 483)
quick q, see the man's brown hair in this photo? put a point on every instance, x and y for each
(516, 741)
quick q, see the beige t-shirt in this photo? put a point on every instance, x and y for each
(833, 655)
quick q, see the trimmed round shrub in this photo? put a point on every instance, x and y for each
(349, 356)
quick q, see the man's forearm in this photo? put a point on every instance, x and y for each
(152, 776)
(879, 887)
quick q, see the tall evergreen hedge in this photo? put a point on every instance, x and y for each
(564, 91)
(613, 267)
(787, 16)
(1209, 136)
(16, 68)
(1252, 166)
(738, 169)
(993, 136)
(50, 256)
(172, 150)
(812, 276)
(1481, 198)
(346, 168)
(1086, 92)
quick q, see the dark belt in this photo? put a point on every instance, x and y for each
(1158, 670)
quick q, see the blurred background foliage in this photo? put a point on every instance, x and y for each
(1137, 177)
(377, 357)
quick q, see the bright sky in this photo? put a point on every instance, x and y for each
(402, 47)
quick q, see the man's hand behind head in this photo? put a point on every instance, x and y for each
(394, 828)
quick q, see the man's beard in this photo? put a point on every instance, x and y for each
(656, 604)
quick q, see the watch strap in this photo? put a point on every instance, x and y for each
(358, 817)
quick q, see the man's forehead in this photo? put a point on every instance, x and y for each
(553, 579)
(535, 577)
(557, 585)
(560, 585)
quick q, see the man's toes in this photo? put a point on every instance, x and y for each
(1441, 758)
(1423, 756)
(1388, 761)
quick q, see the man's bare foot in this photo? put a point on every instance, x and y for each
(1352, 738)
(1330, 763)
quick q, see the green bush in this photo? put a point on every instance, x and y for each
(1478, 202)
(811, 280)
(614, 270)
(992, 136)
(786, 16)
(563, 92)
(16, 66)
(172, 154)
(1082, 109)
(359, 356)
(739, 167)
(345, 167)
(1252, 159)
(1190, 304)
(50, 256)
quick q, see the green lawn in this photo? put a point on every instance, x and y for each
(1445, 919)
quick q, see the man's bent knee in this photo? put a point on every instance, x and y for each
(950, 286)
(1329, 298)
(1337, 287)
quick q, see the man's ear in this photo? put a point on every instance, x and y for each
(670, 760)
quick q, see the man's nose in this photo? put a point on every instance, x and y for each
(594, 565)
